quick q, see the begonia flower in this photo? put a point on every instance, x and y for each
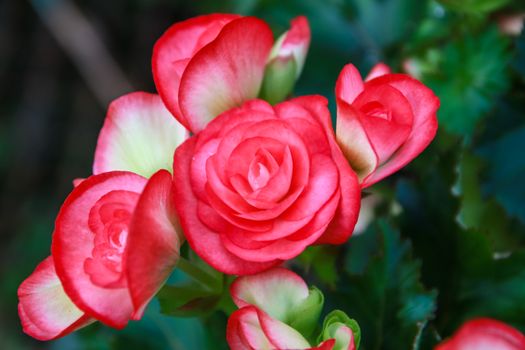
(208, 64)
(272, 305)
(484, 334)
(115, 243)
(260, 183)
(384, 122)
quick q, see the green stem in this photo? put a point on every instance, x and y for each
(197, 273)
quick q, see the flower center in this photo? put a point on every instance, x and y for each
(109, 220)
(262, 167)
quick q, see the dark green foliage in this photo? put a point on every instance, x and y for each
(453, 249)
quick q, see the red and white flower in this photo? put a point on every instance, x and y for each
(260, 183)
(116, 237)
(484, 334)
(273, 306)
(383, 122)
(208, 64)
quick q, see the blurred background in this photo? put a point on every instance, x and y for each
(446, 239)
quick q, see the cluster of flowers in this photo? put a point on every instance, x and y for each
(221, 158)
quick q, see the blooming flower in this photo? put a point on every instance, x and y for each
(260, 183)
(384, 122)
(208, 64)
(116, 237)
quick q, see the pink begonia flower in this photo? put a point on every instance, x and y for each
(208, 64)
(116, 238)
(383, 122)
(270, 304)
(484, 334)
(262, 183)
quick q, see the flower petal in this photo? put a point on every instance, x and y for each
(349, 84)
(378, 70)
(226, 72)
(280, 334)
(153, 242)
(343, 223)
(275, 291)
(354, 142)
(484, 334)
(44, 308)
(139, 135)
(173, 51)
(244, 331)
(187, 204)
(424, 107)
(73, 244)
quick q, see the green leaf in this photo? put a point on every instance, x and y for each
(471, 74)
(477, 212)
(474, 6)
(506, 171)
(387, 298)
(322, 260)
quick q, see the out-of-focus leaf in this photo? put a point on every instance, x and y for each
(519, 61)
(387, 299)
(471, 74)
(385, 22)
(477, 212)
(474, 6)
(322, 260)
(492, 285)
(506, 171)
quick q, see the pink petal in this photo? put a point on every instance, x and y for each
(424, 107)
(73, 244)
(199, 236)
(45, 310)
(225, 73)
(349, 84)
(342, 224)
(273, 291)
(139, 135)
(154, 241)
(244, 331)
(295, 42)
(388, 131)
(354, 141)
(280, 334)
(173, 51)
(378, 70)
(484, 334)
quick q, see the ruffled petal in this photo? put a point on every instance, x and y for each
(74, 244)
(199, 236)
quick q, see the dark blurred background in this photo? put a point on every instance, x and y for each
(63, 61)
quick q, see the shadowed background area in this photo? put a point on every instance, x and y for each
(463, 200)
